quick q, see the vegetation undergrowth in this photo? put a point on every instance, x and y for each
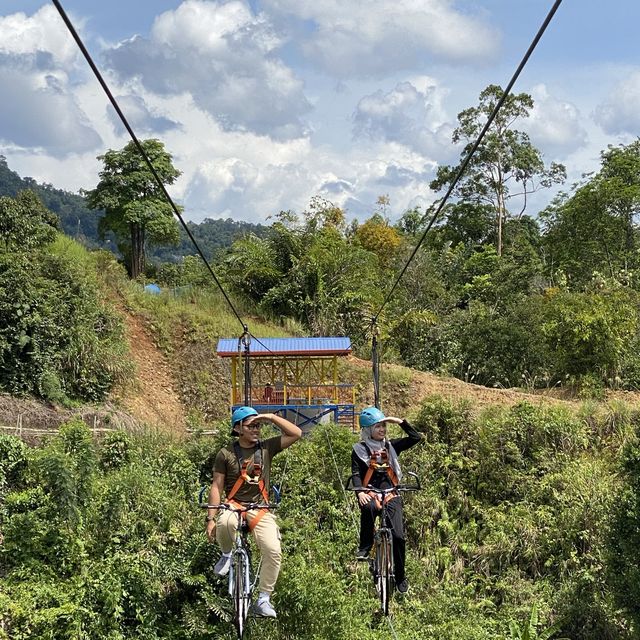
(60, 340)
(514, 531)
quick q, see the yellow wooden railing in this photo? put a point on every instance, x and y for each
(315, 394)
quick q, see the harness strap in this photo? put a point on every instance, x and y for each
(254, 479)
(376, 498)
(377, 467)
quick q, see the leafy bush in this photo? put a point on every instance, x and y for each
(105, 539)
(58, 338)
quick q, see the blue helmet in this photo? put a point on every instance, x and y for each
(370, 416)
(240, 414)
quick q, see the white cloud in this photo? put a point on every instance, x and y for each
(139, 116)
(38, 110)
(406, 115)
(554, 125)
(374, 38)
(39, 113)
(226, 59)
(43, 32)
(243, 185)
(620, 114)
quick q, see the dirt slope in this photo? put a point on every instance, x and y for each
(154, 396)
(152, 399)
(403, 389)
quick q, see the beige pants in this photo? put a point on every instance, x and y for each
(267, 537)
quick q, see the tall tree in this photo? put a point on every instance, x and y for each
(595, 228)
(505, 166)
(135, 208)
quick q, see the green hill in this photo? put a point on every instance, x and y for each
(81, 223)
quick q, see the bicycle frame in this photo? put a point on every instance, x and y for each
(382, 565)
(241, 583)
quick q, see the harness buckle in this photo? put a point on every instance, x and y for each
(380, 460)
(253, 476)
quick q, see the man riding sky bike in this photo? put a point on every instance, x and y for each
(241, 472)
(374, 462)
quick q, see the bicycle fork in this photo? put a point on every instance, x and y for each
(240, 559)
(247, 577)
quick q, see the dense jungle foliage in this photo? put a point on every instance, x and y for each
(59, 339)
(527, 515)
(556, 306)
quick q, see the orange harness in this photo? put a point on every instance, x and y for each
(255, 479)
(379, 463)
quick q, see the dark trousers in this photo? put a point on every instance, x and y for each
(368, 515)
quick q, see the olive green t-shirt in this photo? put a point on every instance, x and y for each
(227, 463)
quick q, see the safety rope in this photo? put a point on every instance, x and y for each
(393, 631)
(344, 491)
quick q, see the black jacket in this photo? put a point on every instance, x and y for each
(381, 480)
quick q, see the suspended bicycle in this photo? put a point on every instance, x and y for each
(242, 580)
(381, 563)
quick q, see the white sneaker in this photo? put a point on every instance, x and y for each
(222, 566)
(264, 609)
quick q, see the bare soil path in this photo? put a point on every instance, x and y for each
(152, 398)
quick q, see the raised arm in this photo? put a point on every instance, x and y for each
(412, 438)
(290, 432)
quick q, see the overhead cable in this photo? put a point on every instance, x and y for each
(467, 159)
(122, 117)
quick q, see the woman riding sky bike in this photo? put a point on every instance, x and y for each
(374, 462)
(241, 472)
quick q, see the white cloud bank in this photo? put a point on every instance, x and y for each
(38, 110)
(386, 36)
(554, 125)
(620, 114)
(225, 57)
(240, 97)
(406, 115)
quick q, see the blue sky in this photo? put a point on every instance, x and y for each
(267, 103)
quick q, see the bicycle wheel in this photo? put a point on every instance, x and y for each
(241, 592)
(384, 570)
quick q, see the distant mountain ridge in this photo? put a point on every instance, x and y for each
(81, 223)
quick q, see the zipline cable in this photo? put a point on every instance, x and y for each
(375, 365)
(115, 105)
(465, 162)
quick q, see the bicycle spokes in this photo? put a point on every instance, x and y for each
(383, 570)
(241, 586)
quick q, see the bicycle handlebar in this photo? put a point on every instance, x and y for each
(401, 487)
(242, 509)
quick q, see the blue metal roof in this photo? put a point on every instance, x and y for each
(338, 345)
